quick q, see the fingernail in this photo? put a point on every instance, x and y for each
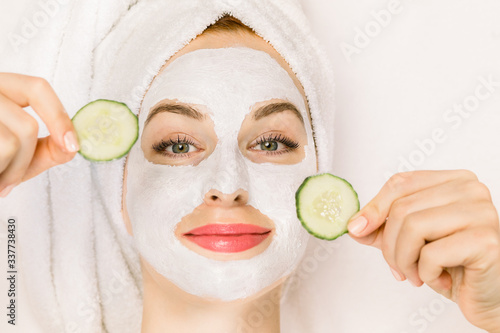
(6, 191)
(397, 276)
(71, 142)
(357, 225)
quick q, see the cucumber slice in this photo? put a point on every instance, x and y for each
(325, 203)
(106, 130)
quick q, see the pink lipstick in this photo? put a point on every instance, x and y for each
(234, 237)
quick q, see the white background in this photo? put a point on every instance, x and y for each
(393, 92)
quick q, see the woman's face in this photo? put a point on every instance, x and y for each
(180, 134)
(225, 140)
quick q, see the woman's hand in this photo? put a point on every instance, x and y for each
(22, 154)
(439, 228)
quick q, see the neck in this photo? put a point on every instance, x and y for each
(166, 308)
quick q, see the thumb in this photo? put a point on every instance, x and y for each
(365, 228)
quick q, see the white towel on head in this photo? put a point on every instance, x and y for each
(81, 266)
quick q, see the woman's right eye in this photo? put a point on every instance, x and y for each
(180, 147)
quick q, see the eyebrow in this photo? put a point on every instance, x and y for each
(186, 110)
(181, 109)
(272, 108)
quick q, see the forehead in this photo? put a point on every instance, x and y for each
(229, 81)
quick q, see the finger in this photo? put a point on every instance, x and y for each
(37, 93)
(25, 129)
(44, 158)
(374, 239)
(9, 144)
(435, 196)
(479, 259)
(422, 227)
(375, 212)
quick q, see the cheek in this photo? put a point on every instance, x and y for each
(126, 219)
(285, 158)
(272, 187)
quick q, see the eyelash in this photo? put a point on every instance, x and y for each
(161, 146)
(289, 143)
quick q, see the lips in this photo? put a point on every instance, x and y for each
(230, 238)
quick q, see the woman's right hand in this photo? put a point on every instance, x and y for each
(22, 154)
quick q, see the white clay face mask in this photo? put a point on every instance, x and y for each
(228, 81)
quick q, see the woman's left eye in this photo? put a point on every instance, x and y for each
(275, 144)
(270, 145)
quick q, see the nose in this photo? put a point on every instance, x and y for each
(217, 198)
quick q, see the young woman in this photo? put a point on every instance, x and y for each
(226, 135)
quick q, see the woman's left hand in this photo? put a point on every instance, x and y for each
(440, 228)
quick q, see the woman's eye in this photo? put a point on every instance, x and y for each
(269, 145)
(181, 148)
(275, 144)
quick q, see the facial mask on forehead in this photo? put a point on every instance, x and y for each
(228, 81)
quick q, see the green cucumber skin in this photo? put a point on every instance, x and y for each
(297, 205)
(136, 135)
